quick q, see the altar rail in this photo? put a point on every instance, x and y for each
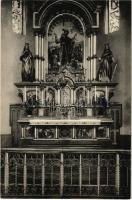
(65, 173)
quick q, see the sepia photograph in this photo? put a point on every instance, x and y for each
(65, 99)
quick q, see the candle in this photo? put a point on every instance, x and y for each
(36, 93)
(88, 97)
(106, 94)
(94, 134)
(25, 94)
(95, 93)
(42, 97)
(35, 132)
(73, 133)
(56, 132)
(58, 96)
(108, 133)
(22, 132)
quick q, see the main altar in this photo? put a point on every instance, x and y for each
(66, 128)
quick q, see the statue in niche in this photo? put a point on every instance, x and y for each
(28, 71)
(67, 46)
(31, 103)
(107, 64)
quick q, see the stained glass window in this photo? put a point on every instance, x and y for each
(18, 16)
(112, 16)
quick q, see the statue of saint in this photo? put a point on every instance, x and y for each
(28, 71)
(107, 64)
(67, 46)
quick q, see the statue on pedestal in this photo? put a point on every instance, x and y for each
(107, 65)
(28, 71)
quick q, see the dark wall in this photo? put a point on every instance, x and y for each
(12, 46)
(120, 44)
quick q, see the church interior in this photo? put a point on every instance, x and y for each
(65, 99)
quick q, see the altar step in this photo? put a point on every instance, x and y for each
(102, 142)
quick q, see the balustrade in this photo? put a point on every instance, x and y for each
(42, 173)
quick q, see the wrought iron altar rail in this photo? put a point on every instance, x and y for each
(65, 173)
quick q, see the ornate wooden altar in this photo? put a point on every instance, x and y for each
(67, 115)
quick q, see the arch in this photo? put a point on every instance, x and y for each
(70, 14)
(83, 9)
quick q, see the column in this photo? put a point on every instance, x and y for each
(98, 175)
(43, 174)
(61, 175)
(36, 55)
(25, 174)
(6, 175)
(36, 44)
(94, 54)
(89, 58)
(80, 173)
(40, 57)
(117, 174)
(91, 54)
(45, 56)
